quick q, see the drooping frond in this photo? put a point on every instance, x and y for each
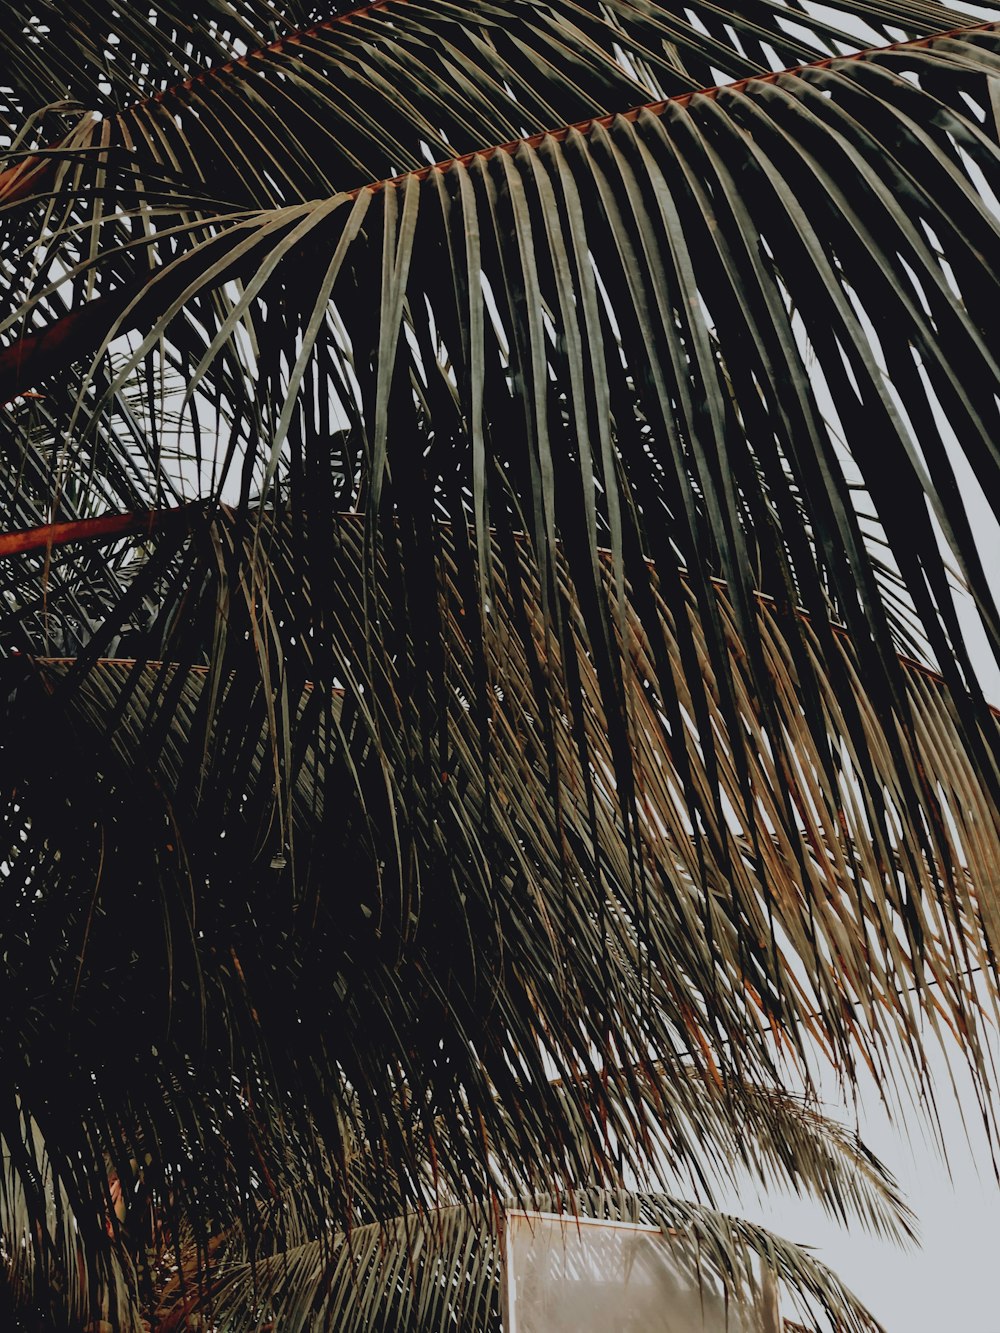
(423, 1267)
(283, 768)
(512, 486)
(624, 204)
(444, 1271)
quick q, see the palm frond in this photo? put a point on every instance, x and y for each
(444, 1271)
(510, 474)
(49, 1265)
(543, 948)
(420, 76)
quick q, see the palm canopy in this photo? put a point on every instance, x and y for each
(484, 509)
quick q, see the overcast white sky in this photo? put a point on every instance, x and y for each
(951, 1284)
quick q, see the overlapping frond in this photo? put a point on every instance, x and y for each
(642, 379)
(748, 325)
(49, 1267)
(228, 80)
(395, 807)
(281, 1262)
(540, 709)
(444, 1271)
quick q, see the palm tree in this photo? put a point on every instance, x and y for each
(486, 700)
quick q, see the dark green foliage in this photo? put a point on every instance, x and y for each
(508, 711)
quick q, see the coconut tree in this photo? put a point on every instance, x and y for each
(486, 701)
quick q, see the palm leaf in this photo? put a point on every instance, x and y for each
(249, 790)
(48, 1262)
(546, 704)
(444, 1271)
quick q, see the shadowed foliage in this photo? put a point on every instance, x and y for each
(485, 569)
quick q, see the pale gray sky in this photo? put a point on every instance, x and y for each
(951, 1283)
